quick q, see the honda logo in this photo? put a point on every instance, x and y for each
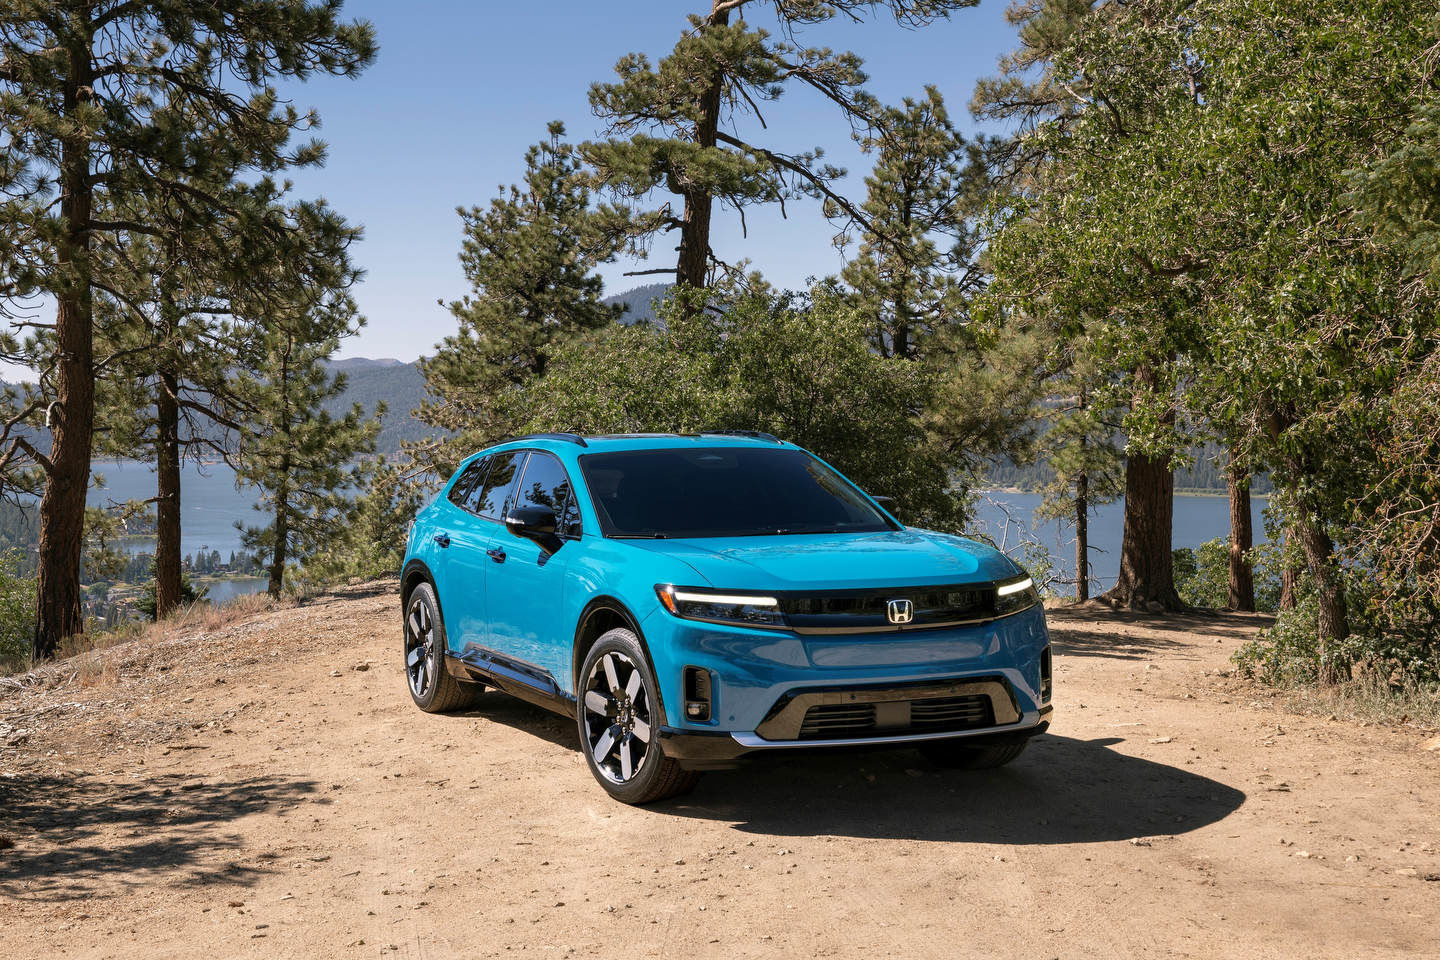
(899, 611)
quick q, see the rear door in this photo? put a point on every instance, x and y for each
(523, 595)
(455, 535)
(468, 562)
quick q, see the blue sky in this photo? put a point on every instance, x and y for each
(460, 88)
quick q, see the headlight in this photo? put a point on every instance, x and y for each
(1012, 596)
(746, 610)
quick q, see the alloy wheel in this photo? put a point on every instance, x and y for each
(419, 647)
(617, 717)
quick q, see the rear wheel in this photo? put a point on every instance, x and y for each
(960, 756)
(619, 716)
(432, 687)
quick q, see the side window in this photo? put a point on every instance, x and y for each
(469, 480)
(547, 485)
(490, 501)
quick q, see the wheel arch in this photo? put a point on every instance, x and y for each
(415, 573)
(601, 614)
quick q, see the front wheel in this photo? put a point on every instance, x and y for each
(619, 716)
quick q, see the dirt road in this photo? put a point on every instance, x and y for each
(250, 793)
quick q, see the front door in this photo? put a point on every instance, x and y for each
(523, 596)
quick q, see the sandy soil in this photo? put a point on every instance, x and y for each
(253, 793)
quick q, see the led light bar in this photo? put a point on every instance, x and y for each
(1016, 587)
(723, 598)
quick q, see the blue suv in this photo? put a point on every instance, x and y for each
(693, 599)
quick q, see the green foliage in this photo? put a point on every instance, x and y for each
(1378, 648)
(915, 268)
(145, 603)
(1187, 202)
(795, 366)
(372, 542)
(17, 609)
(675, 126)
(299, 455)
(1202, 575)
(530, 258)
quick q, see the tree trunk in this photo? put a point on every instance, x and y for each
(167, 503)
(281, 547)
(1082, 537)
(1242, 578)
(62, 507)
(1147, 575)
(1334, 623)
(693, 265)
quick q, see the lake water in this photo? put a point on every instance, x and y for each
(209, 502)
(1009, 519)
(210, 505)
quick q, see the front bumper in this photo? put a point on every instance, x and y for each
(718, 750)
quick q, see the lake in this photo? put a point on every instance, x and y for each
(1010, 518)
(210, 505)
(209, 502)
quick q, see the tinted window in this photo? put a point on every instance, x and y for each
(491, 500)
(468, 481)
(546, 484)
(723, 492)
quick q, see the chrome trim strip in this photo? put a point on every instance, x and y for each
(1030, 720)
(787, 716)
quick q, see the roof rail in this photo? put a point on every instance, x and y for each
(753, 434)
(567, 437)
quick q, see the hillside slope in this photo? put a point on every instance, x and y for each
(264, 788)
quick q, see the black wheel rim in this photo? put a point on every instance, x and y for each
(419, 647)
(617, 718)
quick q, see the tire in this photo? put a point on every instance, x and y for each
(431, 686)
(955, 755)
(618, 715)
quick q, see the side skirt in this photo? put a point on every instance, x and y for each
(522, 680)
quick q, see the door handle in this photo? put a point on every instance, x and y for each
(496, 554)
(443, 539)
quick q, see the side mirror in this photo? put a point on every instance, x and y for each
(883, 501)
(534, 523)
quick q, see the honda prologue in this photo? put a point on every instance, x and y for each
(692, 599)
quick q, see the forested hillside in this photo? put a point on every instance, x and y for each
(400, 386)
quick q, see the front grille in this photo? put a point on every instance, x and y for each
(951, 713)
(844, 611)
(838, 721)
(847, 721)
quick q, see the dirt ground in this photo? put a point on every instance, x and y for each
(253, 792)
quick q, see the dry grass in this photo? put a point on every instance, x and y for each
(83, 657)
(1369, 699)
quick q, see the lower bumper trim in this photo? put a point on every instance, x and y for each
(717, 749)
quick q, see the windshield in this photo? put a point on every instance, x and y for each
(723, 492)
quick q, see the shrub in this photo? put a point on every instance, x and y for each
(1202, 575)
(17, 610)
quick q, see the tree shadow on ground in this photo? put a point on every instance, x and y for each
(78, 837)
(1094, 632)
(1060, 791)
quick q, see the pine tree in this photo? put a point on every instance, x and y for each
(1134, 314)
(299, 456)
(530, 257)
(673, 125)
(101, 99)
(1080, 447)
(916, 266)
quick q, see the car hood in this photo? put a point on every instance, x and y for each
(837, 561)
